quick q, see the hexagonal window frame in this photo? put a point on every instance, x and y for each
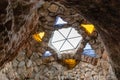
(64, 37)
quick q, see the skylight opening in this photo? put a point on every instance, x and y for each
(65, 40)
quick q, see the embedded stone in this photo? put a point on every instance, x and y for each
(37, 76)
(15, 63)
(21, 64)
(36, 69)
(49, 18)
(21, 56)
(53, 8)
(104, 55)
(21, 70)
(38, 62)
(29, 63)
(30, 73)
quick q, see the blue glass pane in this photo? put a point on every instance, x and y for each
(47, 54)
(89, 52)
(59, 22)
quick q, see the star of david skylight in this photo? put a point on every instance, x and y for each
(65, 39)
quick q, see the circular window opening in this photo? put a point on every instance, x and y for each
(65, 40)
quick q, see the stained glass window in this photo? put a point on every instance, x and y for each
(88, 51)
(65, 39)
(89, 27)
(59, 22)
(38, 36)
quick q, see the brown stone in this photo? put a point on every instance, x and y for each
(38, 61)
(20, 58)
(24, 34)
(53, 8)
(50, 19)
(94, 61)
(29, 63)
(21, 64)
(15, 63)
(104, 55)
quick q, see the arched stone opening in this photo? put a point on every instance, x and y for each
(49, 27)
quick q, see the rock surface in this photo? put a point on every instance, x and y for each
(17, 20)
(20, 19)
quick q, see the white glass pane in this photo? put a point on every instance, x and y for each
(65, 31)
(74, 33)
(57, 45)
(88, 46)
(66, 46)
(70, 43)
(60, 21)
(75, 41)
(57, 36)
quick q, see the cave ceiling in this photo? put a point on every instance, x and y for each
(19, 20)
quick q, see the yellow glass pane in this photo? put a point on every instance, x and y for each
(71, 63)
(38, 37)
(89, 27)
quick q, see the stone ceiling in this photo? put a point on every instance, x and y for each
(21, 19)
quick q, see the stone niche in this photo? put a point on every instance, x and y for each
(29, 65)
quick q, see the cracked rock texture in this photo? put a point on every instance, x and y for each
(18, 18)
(105, 15)
(35, 69)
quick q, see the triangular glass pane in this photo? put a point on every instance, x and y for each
(65, 31)
(57, 36)
(59, 21)
(73, 33)
(88, 46)
(41, 34)
(38, 36)
(47, 54)
(66, 46)
(89, 27)
(89, 51)
(57, 45)
(75, 41)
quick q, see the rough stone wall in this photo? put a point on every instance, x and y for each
(29, 62)
(18, 18)
(23, 68)
(24, 65)
(105, 15)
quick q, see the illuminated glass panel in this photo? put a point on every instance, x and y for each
(71, 63)
(65, 39)
(38, 36)
(89, 27)
(88, 51)
(59, 21)
(47, 54)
